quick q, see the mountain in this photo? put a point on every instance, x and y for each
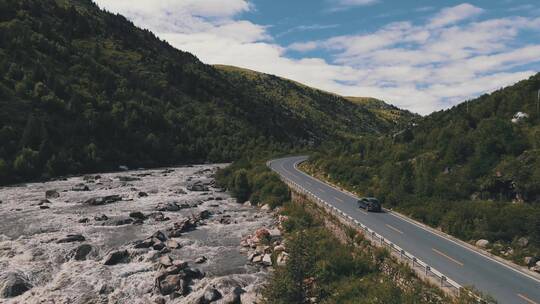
(472, 170)
(84, 90)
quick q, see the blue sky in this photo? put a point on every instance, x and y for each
(420, 55)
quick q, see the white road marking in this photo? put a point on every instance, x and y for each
(526, 299)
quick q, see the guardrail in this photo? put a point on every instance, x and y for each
(380, 240)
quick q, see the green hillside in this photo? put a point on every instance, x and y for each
(469, 170)
(84, 90)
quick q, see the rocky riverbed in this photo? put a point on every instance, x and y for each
(145, 236)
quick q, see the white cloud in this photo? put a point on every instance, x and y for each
(303, 46)
(455, 14)
(421, 67)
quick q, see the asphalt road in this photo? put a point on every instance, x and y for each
(463, 265)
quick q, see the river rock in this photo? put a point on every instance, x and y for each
(210, 295)
(137, 215)
(482, 243)
(172, 244)
(181, 227)
(165, 261)
(200, 260)
(80, 187)
(117, 257)
(100, 218)
(234, 297)
(117, 221)
(267, 260)
(51, 194)
(82, 251)
(172, 206)
(105, 200)
(13, 285)
(158, 217)
(197, 186)
(172, 283)
(70, 238)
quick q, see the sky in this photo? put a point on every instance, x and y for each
(419, 55)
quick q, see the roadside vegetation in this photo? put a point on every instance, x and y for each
(469, 171)
(322, 267)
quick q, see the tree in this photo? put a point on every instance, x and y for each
(241, 188)
(26, 164)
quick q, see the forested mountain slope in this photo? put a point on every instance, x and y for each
(473, 170)
(85, 90)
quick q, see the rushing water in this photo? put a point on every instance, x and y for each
(29, 235)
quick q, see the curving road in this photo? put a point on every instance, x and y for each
(463, 265)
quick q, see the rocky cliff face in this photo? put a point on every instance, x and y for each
(163, 236)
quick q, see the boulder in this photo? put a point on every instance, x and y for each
(13, 285)
(137, 215)
(142, 194)
(82, 251)
(51, 194)
(147, 243)
(203, 215)
(123, 168)
(80, 187)
(160, 236)
(44, 207)
(282, 258)
(84, 220)
(257, 259)
(100, 218)
(529, 261)
(171, 284)
(117, 221)
(262, 233)
(172, 206)
(234, 296)
(117, 257)
(172, 244)
(159, 217)
(538, 263)
(70, 238)
(522, 242)
(197, 186)
(266, 208)
(99, 201)
(267, 260)
(279, 248)
(165, 261)
(181, 227)
(210, 295)
(482, 243)
(201, 260)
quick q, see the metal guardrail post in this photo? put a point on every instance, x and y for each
(443, 279)
(414, 260)
(427, 269)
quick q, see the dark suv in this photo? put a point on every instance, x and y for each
(370, 204)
